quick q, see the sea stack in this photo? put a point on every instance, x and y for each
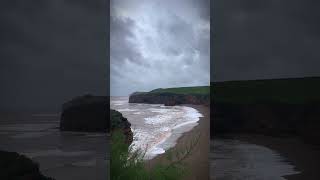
(85, 113)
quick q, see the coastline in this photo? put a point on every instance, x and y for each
(305, 157)
(198, 162)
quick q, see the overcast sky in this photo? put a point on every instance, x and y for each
(262, 39)
(52, 51)
(158, 44)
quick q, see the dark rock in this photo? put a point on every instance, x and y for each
(170, 103)
(118, 122)
(169, 99)
(14, 166)
(276, 119)
(86, 113)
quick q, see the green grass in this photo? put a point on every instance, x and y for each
(290, 91)
(201, 90)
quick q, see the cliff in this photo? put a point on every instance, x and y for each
(283, 107)
(118, 122)
(174, 96)
(85, 113)
(272, 119)
(15, 166)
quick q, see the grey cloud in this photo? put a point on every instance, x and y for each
(52, 51)
(159, 44)
(265, 39)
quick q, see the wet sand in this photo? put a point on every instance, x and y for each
(305, 157)
(198, 162)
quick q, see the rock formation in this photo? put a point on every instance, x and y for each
(268, 118)
(169, 99)
(85, 113)
(278, 107)
(118, 122)
(15, 166)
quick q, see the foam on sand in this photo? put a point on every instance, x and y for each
(156, 128)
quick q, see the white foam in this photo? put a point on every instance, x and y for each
(186, 123)
(127, 110)
(158, 127)
(156, 151)
(192, 113)
(158, 110)
(158, 119)
(155, 105)
(118, 102)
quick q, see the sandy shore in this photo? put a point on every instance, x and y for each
(305, 157)
(198, 162)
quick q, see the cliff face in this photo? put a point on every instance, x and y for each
(118, 122)
(169, 99)
(16, 166)
(85, 113)
(268, 118)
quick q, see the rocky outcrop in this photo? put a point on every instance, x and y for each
(118, 122)
(18, 167)
(85, 113)
(277, 119)
(169, 99)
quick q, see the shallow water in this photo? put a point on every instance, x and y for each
(232, 159)
(61, 155)
(156, 127)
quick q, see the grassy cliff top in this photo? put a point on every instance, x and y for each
(202, 90)
(290, 91)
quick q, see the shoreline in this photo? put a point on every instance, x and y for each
(198, 161)
(304, 157)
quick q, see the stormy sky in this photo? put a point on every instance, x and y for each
(158, 44)
(52, 51)
(264, 39)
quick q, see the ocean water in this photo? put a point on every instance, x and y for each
(61, 155)
(156, 127)
(232, 159)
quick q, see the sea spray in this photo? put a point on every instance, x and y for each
(156, 127)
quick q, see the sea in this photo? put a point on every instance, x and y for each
(61, 155)
(156, 128)
(232, 159)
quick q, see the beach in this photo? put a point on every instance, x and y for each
(198, 161)
(305, 157)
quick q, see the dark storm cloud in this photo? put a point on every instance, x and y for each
(159, 44)
(265, 39)
(52, 51)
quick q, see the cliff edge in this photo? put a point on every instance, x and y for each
(174, 96)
